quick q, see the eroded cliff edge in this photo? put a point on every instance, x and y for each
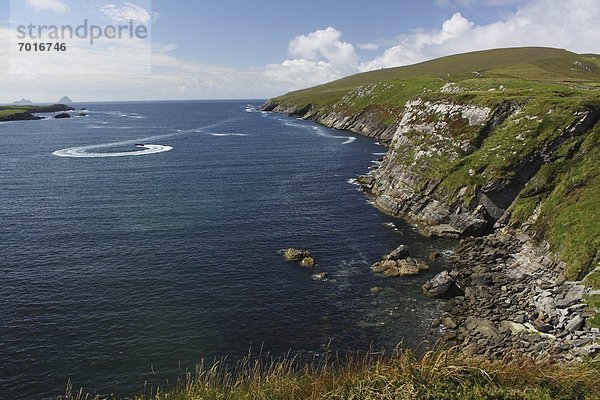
(509, 160)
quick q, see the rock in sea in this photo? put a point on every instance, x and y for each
(292, 254)
(442, 286)
(321, 276)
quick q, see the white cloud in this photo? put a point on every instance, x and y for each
(471, 3)
(320, 56)
(57, 6)
(569, 24)
(128, 12)
(369, 46)
(105, 73)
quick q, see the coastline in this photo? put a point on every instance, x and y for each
(515, 300)
(27, 113)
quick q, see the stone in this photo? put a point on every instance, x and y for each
(575, 323)
(434, 255)
(382, 266)
(321, 276)
(514, 327)
(308, 262)
(448, 322)
(442, 286)
(62, 116)
(292, 254)
(573, 296)
(376, 290)
(399, 253)
(485, 327)
(542, 326)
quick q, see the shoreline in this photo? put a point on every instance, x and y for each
(515, 301)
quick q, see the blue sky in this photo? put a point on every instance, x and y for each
(256, 49)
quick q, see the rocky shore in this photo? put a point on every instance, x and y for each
(511, 170)
(513, 302)
(506, 295)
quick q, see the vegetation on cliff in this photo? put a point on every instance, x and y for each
(533, 162)
(436, 375)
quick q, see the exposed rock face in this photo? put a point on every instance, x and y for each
(365, 122)
(410, 182)
(62, 116)
(429, 130)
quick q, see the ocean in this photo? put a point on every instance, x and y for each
(124, 264)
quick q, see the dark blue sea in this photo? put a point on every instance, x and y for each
(118, 269)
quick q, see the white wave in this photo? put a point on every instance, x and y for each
(352, 181)
(379, 154)
(251, 109)
(122, 114)
(227, 134)
(83, 151)
(390, 224)
(319, 130)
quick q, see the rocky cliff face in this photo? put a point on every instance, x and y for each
(367, 122)
(441, 170)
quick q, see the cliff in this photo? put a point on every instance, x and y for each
(485, 139)
(500, 144)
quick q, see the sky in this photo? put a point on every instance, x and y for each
(231, 49)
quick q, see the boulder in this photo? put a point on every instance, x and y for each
(62, 116)
(448, 322)
(321, 276)
(399, 253)
(441, 286)
(292, 254)
(483, 326)
(308, 262)
(407, 267)
(514, 327)
(575, 324)
(382, 266)
(573, 296)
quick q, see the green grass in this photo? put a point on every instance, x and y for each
(436, 375)
(533, 64)
(9, 112)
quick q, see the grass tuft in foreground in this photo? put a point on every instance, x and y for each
(436, 375)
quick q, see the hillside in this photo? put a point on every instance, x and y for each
(502, 145)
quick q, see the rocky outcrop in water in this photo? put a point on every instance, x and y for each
(292, 254)
(399, 263)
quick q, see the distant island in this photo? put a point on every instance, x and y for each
(65, 100)
(23, 102)
(27, 112)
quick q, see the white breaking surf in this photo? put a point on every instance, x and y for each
(84, 151)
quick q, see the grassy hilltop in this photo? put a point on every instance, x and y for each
(394, 86)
